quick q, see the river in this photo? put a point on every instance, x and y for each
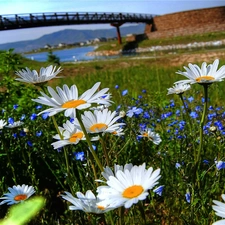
(66, 55)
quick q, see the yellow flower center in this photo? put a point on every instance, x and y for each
(73, 103)
(76, 136)
(100, 207)
(133, 191)
(20, 197)
(98, 127)
(204, 78)
(145, 134)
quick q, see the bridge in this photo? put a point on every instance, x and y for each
(20, 21)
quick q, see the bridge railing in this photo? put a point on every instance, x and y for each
(54, 19)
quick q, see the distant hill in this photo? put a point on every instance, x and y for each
(70, 36)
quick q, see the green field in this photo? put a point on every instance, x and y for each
(190, 154)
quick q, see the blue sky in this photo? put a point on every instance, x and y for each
(158, 7)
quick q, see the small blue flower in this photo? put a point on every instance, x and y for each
(45, 115)
(159, 190)
(117, 86)
(188, 197)
(220, 165)
(15, 106)
(38, 133)
(194, 115)
(205, 161)
(178, 112)
(30, 143)
(79, 156)
(22, 133)
(38, 107)
(203, 100)
(177, 165)
(146, 115)
(134, 111)
(124, 92)
(15, 135)
(198, 108)
(10, 120)
(142, 126)
(33, 116)
(23, 117)
(190, 99)
(144, 91)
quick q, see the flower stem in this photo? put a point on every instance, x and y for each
(105, 151)
(64, 149)
(89, 142)
(198, 158)
(202, 122)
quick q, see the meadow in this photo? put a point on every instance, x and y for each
(187, 142)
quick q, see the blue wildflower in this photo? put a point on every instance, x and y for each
(33, 116)
(124, 92)
(190, 99)
(146, 115)
(142, 126)
(144, 91)
(22, 133)
(134, 111)
(45, 115)
(11, 120)
(220, 165)
(159, 190)
(194, 115)
(198, 108)
(38, 133)
(38, 107)
(23, 117)
(15, 106)
(79, 156)
(117, 86)
(205, 161)
(30, 143)
(188, 197)
(177, 165)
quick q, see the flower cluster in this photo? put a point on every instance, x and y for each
(125, 186)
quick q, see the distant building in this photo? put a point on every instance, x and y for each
(47, 46)
(60, 45)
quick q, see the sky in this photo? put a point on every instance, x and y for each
(155, 7)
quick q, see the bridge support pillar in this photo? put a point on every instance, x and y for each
(117, 25)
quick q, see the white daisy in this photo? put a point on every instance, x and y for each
(86, 203)
(71, 135)
(101, 106)
(17, 194)
(204, 75)
(219, 208)
(67, 99)
(101, 121)
(150, 135)
(179, 88)
(107, 172)
(15, 124)
(46, 74)
(2, 124)
(128, 187)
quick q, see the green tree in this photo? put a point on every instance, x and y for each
(52, 58)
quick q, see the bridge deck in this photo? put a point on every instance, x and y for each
(9, 22)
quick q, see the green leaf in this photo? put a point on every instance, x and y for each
(21, 214)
